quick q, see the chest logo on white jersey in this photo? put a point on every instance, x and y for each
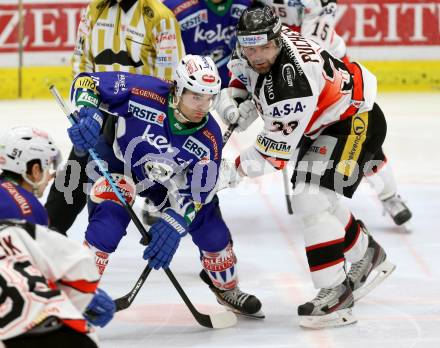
(196, 147)
(145, 113)
(286, 109)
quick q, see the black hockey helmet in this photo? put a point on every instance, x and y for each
(257, 26)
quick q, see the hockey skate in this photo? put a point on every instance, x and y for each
(330, 308)
(373, 267)
(150, 214)
(236, 300)
(398, 211)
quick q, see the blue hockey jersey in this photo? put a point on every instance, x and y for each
(209, 29)
(157, 149)
(17, 203)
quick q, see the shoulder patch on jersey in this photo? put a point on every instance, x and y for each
(86, 98)
(85, 82)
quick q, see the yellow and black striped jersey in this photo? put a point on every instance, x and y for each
(137, 36)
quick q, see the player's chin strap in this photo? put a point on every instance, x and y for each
(217, 320)
(177, 113)
(36, 186)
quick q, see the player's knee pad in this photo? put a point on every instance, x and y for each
(311, 200)
(220, 266)
(339, 210)
(102, 190)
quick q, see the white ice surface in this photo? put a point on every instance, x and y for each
(403, 312)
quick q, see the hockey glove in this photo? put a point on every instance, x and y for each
(248, 114)
(228, 175)
(165, 238)
(231, 112)
(85, 133)
(227, 107)
(100, 311)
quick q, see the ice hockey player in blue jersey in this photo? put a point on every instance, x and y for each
(208, 28)
(159, 141)
(26, 157)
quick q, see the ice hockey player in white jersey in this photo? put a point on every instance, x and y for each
(316, 19)
(46, 280)
(312, 101)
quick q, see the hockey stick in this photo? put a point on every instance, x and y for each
(228, 133)
(287, 193)
(217, 320)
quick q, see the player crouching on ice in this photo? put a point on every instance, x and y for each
(313, 102)
(159, 141)
(47, 281)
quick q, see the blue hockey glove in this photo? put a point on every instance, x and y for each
(85, 133)
(100, 311)
(165, 238)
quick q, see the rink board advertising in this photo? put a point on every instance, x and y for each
(375, 30)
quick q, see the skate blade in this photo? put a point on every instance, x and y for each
(406, 227)
(257, 315)
(382, 272)
(342, 317)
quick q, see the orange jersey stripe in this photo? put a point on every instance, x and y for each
(81, 285)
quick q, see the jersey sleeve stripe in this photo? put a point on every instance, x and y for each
(79, 325)
(81, 285)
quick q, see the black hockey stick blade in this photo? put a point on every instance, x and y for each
(220, 320)
(215, 321)
(125, 301)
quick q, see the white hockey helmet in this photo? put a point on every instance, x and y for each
(197, 74)
(20, 145)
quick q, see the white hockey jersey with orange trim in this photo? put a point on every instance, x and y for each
(43, 274)
(306, 90)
